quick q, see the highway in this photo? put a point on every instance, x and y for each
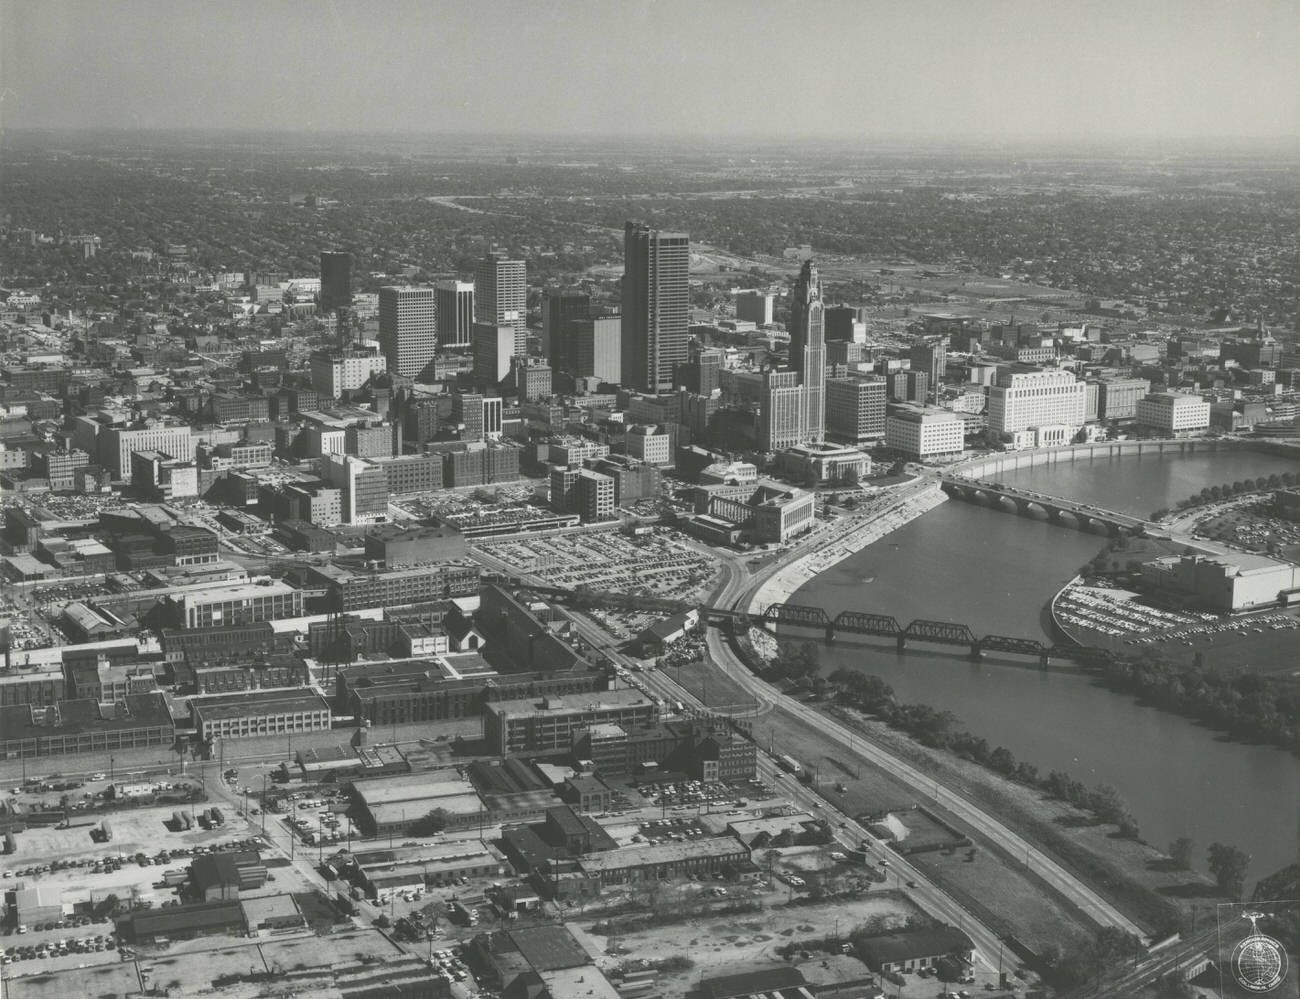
(846, 830)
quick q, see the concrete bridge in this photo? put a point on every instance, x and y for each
(1025, 502)
(882, 625)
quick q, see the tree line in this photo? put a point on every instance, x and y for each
(1252, 706)
(939, 730)
(1212, 494)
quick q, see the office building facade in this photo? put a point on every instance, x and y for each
(855, 409)
(656, 306)
(1024, 399)
(335, 280)
(454, 312)
(407, 330)
(501, 297)
(808, 350)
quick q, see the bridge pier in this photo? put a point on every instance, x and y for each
(830, 633)
(976, 652)
(1043, 659)
(902, 642)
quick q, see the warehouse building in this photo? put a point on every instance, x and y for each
(84, 725)
(550, 723)
(261, 712)
(402, 805)
(663, 860)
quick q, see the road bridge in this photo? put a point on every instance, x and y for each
(1024, 502)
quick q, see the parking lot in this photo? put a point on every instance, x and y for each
(658, 564)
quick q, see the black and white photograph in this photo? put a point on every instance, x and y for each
(649, 499)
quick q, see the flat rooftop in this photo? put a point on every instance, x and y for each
(570, 703)
(220, 706)
(662, 853)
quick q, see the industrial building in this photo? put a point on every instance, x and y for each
(550, 723)
(260, 712)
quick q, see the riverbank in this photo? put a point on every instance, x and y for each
(1132, 874)
(787, 580)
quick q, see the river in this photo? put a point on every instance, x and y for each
(995, 572)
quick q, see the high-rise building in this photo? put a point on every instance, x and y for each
(454, 311)
(808, 349)
(559, 305)
(493, 347)
(407, 333)
(754, 307)
(595, 348)
(930, 354)
(501, 296)
(334, 372)
(335, 280)
(855, 409)
(656, 306)
(1022, 399)
(842, 323)
(781, 411)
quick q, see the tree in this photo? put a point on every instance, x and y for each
(434, 822)
(1180, 851)
(1228, 865)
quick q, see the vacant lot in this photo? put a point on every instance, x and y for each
(115, 979)
(748, 942)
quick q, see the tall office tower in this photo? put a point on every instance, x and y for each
(493, 347)
(335, 280)
(930, 354)
(754, 307)
(855, 409)
(454, 311)
(501, 296)
(595, 348)
(656, 306)
(782, 409)
(808, 349)
(407, 333)
(839, 322)
(703, 374)
(559, 305)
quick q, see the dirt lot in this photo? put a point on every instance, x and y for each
(116, 979)
(747, 942)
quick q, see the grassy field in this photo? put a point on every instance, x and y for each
(712, 686)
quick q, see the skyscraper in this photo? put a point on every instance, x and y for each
(501, 296)
(808, 349)
(559, 305)
(335, 280)
(407, 333)
(656, 306)
(930, 354)
(454, 310)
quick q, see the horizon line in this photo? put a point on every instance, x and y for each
(785, 138)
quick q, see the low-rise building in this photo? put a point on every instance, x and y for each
(913, 950)
(135, 721)
(260, 712)
(550, 723)
(1173, 414)
(923, 432)
(663, 860)
(769, 513)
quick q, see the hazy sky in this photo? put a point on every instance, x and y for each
(714, 67)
